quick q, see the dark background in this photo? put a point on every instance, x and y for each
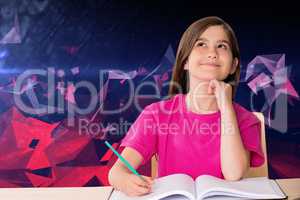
(125, 35)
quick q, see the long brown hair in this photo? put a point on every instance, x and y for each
(179, 79)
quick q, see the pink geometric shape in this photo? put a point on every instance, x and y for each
(13, 36)
(75, 70)
(69, 96)
(38, 159)
(60, 73)
(39, 181)
(271, 62)
(160, 79)
(86, 173)
(117, 74)
(259, 82)
(287, 88)
(30, 144)
(71, 143)
(142, 71)
(15, 160)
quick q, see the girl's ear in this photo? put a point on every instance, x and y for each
(234, 65)
(186, 65)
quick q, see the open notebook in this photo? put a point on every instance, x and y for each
(182, 186)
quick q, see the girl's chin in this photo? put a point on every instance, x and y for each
(205, 78)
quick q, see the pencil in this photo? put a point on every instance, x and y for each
(124, 161)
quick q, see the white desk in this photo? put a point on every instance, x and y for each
(74, 193)
(290, 187)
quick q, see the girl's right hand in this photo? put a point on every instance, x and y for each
(133, 185)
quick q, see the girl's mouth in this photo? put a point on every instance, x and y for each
(210, 64)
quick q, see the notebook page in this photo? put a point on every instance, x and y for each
(163, 187)
(260, 187)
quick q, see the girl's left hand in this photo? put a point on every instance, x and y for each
(222, 92)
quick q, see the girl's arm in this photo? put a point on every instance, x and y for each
(121, 178)
(235, 159)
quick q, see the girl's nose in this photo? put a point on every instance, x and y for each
(212, 54)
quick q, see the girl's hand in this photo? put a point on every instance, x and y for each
(222, 92)
(132, 185)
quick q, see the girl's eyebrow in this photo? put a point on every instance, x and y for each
(224, 41)
(219, 41)
(201, 39)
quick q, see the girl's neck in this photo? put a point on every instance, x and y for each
(198, 100)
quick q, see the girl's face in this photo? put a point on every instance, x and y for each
(211, 57)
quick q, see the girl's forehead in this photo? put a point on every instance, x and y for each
(214, 33)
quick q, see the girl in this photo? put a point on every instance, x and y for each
(199, 129)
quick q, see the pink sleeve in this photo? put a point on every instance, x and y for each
(250, 129)
(142, 136)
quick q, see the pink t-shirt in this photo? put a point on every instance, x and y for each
(187, 142)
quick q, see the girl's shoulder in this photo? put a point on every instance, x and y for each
(244, 115)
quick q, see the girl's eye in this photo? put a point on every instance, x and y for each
(201, 44)
(223, 46)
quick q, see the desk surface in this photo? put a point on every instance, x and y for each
(74, 193)
(291, 187)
